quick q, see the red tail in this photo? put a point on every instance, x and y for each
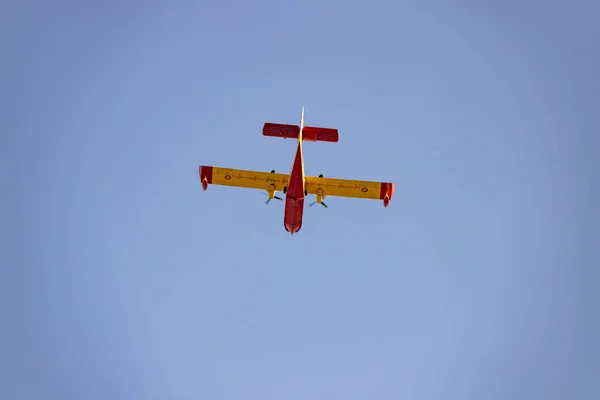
(309, 133)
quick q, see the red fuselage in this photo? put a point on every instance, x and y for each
(294, 198)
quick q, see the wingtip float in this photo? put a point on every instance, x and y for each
(295, 185)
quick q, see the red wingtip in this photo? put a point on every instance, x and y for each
(387, 192)
(205, 175)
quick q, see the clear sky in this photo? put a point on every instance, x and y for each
(122, 279)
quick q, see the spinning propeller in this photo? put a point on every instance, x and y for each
(319, 200)
(320, 197)
(321, 203)
(271, 192)
(274, 197)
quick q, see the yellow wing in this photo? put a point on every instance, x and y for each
(269, 181)
(324, 187)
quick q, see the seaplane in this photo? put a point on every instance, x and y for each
(295, 185)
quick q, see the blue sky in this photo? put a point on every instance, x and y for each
(122, 279)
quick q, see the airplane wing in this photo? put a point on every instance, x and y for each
(325, 187)
(242, 178)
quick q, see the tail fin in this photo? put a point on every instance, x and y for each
(300, 134)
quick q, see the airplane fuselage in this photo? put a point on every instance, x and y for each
(294, 197)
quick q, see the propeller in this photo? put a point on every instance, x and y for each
(275, 197)
(322, 203)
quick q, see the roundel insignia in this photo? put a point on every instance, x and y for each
(228, 177)
(365, 190)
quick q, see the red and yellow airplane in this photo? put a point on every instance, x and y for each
(296, 186)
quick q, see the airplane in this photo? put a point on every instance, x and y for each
(295, 185)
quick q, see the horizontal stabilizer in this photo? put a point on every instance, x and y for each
(315, 134)
(309, 133)
(281, 130)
